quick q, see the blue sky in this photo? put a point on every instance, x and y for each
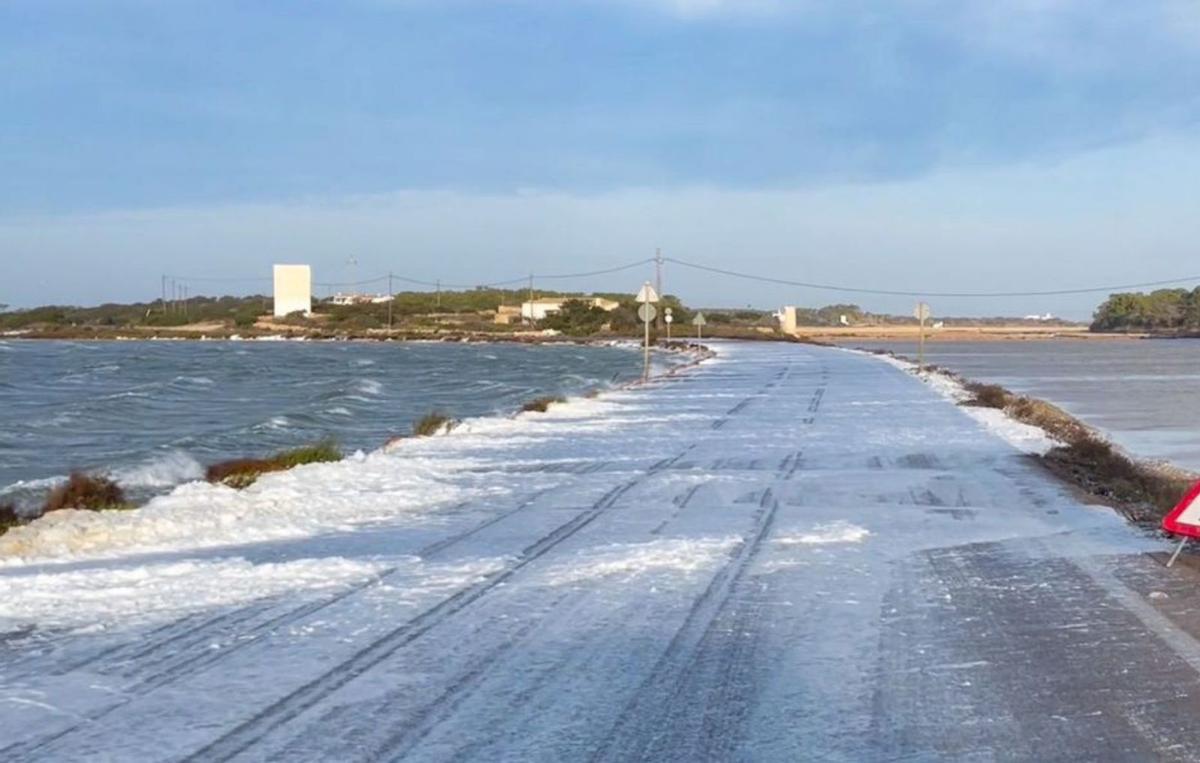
(923, 144)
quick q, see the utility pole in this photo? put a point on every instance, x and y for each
(922, 313)
(164, 293)
(658, 264)
(391, 299)
(353, 263)
(531, 291)
(174, 294)
(439, 293)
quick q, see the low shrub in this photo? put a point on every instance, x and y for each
(8, 517)
(541, 404)
(85, 491)
(430, 424)
(1144, 492)
(242, 472)
(1054, 420)
(988, 395)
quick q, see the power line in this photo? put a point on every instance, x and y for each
(354, 283)
(901, 293)
(438, 284)
(606, 271)
(219, 278)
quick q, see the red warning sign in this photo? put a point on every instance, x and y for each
(1184, 519)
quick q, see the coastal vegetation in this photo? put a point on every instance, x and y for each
(8, 517)
(1144, 492)
(541, 404)
(430, 424)
(1163, 310)
(240, 473)
(469, 313)
(85, 491)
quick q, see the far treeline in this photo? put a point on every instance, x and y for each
(1164, 310)
(415, 312)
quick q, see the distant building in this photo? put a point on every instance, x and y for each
(1046, 317)
(358, 299)
(537, 309)
(507, 314)
(293, 290)
(787, 319)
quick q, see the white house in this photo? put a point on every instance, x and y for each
(537, 309)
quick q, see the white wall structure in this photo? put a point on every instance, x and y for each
(293, 289)
(787, 320)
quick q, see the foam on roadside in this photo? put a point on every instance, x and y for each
(838, 531)
(145, 594)
(1023, 437)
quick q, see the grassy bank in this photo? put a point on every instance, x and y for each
(242, 472)
(1143, 491)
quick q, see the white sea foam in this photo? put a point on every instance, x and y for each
(304, 501)
(164, 470)
(839, 531)
(99, 598)
(1024, 437)
(368, 386)
(668, 555)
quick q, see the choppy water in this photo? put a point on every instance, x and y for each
(151, 413)
(1144, 394)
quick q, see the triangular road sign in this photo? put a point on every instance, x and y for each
(647, 293)
(699, 320)
(1184, 519)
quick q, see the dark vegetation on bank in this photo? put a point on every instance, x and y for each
(431, 423)
(451, 315)
(1170, 311)
(541, 404)
(86, 492)
(1144, 492)
(242, 472)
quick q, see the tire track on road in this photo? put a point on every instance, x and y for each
(311, 693)
(640, 723)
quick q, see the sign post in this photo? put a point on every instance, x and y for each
(699, 322)
(922, 314)
(646, 298)
(1184, 520)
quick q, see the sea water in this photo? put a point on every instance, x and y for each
(1144, 394)
(153, 413)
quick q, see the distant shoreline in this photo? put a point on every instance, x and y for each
(1000, 333)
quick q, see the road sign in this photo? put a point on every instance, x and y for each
(699, 320)
(668, 317)
(922, 312)
(647, 312)
(1184, 519)
(647, 294)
